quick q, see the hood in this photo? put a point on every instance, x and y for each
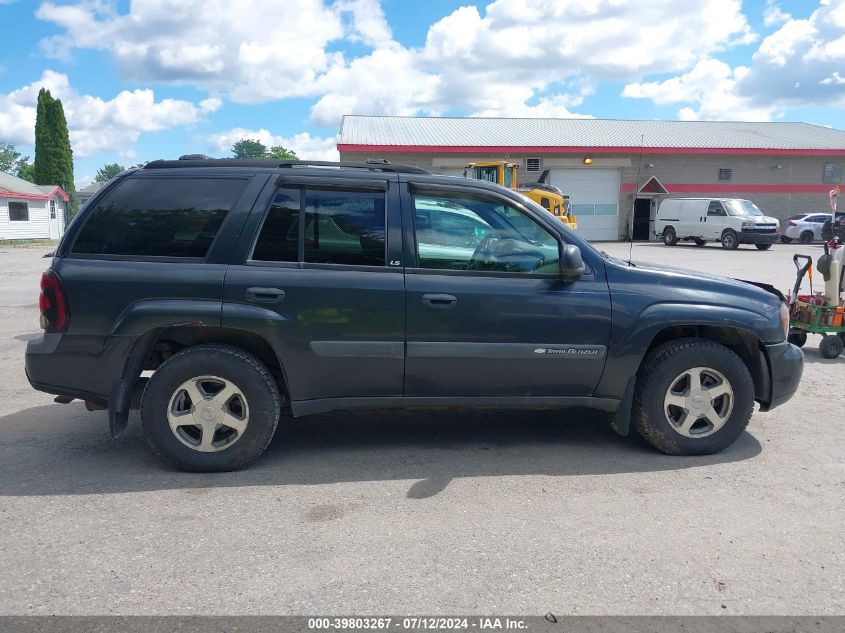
(684, 279)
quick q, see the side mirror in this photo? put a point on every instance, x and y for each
(571, 264)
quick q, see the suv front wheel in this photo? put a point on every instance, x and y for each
(693, 397)
(210, 408)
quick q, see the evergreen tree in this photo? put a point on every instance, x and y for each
(53, 155)
(43, 148)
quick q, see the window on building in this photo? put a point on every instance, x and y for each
(18, 212)
(832, 173)
(532, 164)
(476, 233)
(159, 217)
(725, 173)
(52, 209)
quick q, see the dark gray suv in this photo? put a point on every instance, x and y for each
(253, 288)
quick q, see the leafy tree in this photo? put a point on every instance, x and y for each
(107, 172)
(249, 148)
(12, 162)
(26, 170)
(53, 155)
(282, 153)
(9, 158)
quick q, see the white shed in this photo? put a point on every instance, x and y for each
(29, 211)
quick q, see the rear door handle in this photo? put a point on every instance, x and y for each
(265, 295)
(439, 300)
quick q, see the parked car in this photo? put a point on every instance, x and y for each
(730, 221)
(253, 288)
(806, 227)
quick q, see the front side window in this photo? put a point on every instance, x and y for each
(476, 233)
(341, 227)
(159, 217)
(18, 212)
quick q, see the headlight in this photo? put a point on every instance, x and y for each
(784, 318)
(748, 225)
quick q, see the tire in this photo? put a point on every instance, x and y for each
(785, 240)
(699, 242)
(240, 428)
(730, 241)
(670, 238)
(763, 247)
(806, 237)
(831, 346)
(667, 369)
(797, 337)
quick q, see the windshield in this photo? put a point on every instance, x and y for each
(741, 207)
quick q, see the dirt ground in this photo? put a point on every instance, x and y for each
(492, 512)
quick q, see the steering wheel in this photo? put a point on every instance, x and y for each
(481, 252)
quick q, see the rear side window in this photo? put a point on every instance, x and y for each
(159, 217)
(341, 227)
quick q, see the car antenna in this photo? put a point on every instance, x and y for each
(634, 203)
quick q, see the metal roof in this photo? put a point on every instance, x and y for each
(477, 132)
(13, 184)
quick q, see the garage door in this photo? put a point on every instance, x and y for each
(594, 194)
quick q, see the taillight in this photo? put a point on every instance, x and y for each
(791, 223)
(53, 303)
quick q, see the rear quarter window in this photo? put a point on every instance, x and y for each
(159, 217)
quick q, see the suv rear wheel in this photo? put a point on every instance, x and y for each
(693, 397)
(210, 408)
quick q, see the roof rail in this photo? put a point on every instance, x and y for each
(189, 161)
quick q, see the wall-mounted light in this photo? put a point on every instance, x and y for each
(778, 166)
(588, 160)
(650, 165)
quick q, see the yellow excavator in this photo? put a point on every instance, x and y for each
(547, 196)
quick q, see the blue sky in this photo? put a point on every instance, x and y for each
(158, 78)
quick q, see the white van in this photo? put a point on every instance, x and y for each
(730, 221)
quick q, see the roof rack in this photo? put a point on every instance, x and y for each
(193, 160)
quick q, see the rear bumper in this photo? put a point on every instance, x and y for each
(747, 237)
(83, 367)
(786, 364)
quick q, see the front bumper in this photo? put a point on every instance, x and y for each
(750, 237)
(786, 364)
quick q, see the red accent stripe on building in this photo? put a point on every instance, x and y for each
(734, 187)
(504, 149)
(33, 196)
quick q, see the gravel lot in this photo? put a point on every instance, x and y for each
(428, 512)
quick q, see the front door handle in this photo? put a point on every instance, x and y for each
(265, 295)
(437, 300)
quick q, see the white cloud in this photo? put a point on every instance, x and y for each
(532, 56)
(94, 123)
(306, 146)
(799, 64)
(711, 86)
(774, 15)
